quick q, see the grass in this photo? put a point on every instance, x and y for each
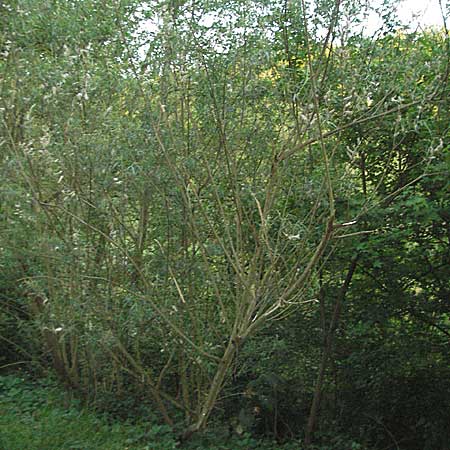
(33, 417)
(36, 415)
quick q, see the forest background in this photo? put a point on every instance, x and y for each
(236, 216)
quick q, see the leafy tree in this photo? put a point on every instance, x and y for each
(174, 190)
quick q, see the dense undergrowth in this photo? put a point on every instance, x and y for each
(36, 414)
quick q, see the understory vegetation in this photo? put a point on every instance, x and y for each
(223, 224)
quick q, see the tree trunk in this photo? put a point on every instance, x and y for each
(214, 390)
(327, 351)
